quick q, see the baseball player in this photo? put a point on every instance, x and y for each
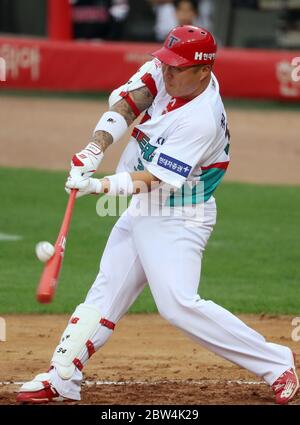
(175, 159)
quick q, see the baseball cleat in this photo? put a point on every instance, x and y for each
(39, 390)
(286, 386)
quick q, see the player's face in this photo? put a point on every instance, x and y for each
(186, 82)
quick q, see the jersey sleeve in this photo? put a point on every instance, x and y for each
(148, 75)
(174, 161)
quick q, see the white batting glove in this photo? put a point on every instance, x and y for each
(85, 163)
(85, 186)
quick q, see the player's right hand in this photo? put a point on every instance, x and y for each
(85, 186)
(85, 163)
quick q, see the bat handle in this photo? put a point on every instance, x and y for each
(67, 217)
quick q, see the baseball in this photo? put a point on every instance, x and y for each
(44, 251)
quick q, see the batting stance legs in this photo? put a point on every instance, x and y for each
(120, 280)
(144, 249)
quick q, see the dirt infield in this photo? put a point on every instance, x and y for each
(146, 361)
(45, 133)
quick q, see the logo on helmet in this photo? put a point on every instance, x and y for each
(198, 56)
(204, 56)
(172, 40)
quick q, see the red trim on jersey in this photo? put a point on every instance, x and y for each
(149, 81)
(145, 118)
(107, 323)
(221, 165)
(131, 103)
(134, 132)
(139, 135)
(90, 347)
(175, 103)
(78, 363)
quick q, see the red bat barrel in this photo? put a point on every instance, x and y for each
(49, 279)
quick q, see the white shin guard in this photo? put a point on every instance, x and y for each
(75, 340)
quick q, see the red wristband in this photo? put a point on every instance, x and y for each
(135, 109)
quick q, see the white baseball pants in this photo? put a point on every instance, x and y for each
(166, 252)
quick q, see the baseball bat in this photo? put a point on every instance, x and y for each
(49, 279)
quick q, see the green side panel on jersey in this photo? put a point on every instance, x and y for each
(147, 150)
(191, 195)
(140, 166)
(186, 195)
(211, 179)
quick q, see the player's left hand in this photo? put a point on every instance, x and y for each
(84, 185)
(85, 163)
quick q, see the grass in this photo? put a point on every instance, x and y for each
(251, 264)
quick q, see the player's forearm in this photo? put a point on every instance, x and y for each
(102, 139)
(111, 127)
(142, 99)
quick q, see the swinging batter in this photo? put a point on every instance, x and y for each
(174, 161)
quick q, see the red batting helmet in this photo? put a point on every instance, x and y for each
(187, 45)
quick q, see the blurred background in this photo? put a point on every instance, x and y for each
(62, 45)
(241, 23)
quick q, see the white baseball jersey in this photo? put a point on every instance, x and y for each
(178, 142)
(183, 143)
